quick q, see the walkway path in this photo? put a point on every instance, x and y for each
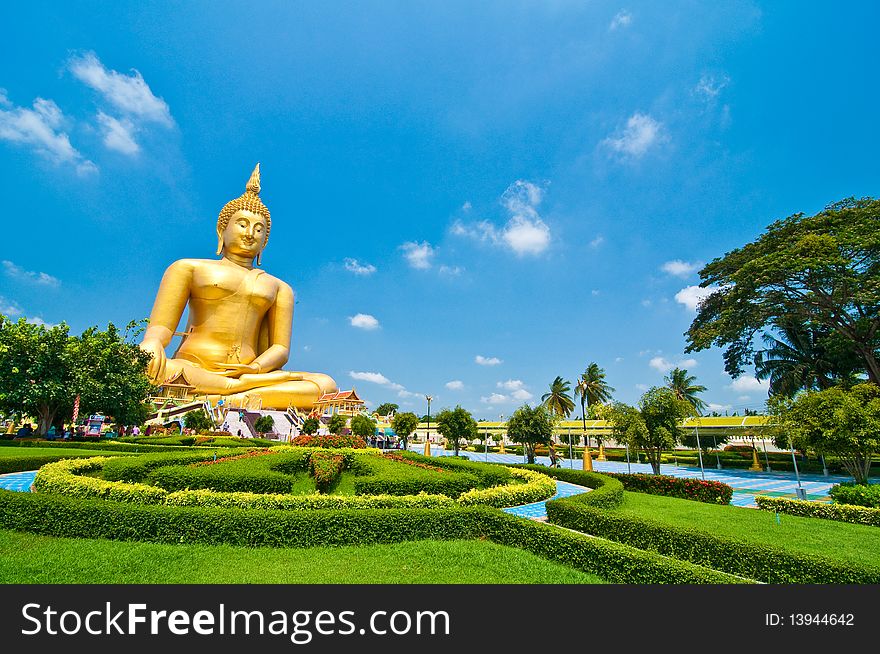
(18, 481)
(538, 510)
(745, 483)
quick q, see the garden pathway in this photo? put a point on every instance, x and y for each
(745, 483)
(18, 481)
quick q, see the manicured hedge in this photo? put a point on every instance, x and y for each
(537, 487)
(489, 474)
(24, 462)
(760, 562)
(138, 468)
(859, 515)
(857, 494)
(329, 441)
(381, 476)
(310, 502)
(710, 492)
(59, 516)
(606, 491)
(110, 446)
(63, 479)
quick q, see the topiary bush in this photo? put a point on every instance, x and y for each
(326, 469)
(860, 515)
(329, 441)
(857, 494)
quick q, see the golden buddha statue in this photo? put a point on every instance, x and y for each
(240, 318)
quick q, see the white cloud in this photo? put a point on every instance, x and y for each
(749, 385)
(680, 268)
(525, 233)
(594, 292)
(596, 242)
(364, 321)
(664, 365)
(622, 19)
(691, 296)
(353, 265)
(372, 377)
(40, 278)
(486, 361)
(642, 387)
(511, 384)
(618, 359)
(641, 132)
(744, 398)
(418, 255)
(9, 309)
(129, 94)
(709, 87)
(466, 206)
(455, 385)
(495, 398)
(41, 128)
(405, 393)
(712, 406)
(118, 134)
(452, 271)
(521, 394)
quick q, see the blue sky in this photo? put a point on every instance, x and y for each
(468, 198)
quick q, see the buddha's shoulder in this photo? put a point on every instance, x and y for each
(189, 265)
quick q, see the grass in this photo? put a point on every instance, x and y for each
(837, 540)
(32, 559)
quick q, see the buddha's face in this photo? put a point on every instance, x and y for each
(245, 234)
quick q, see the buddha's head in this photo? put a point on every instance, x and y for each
(243, 224)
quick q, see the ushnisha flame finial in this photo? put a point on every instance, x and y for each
(253, 185)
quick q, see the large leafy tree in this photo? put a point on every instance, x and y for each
(558, 401)
(199, 420)
(310, 426)
(654, 426)
(363, 426)
(456, 425)
(531, 427)
(821, 270)
(837, 420)
(43, 369)
(404, 424)
(803, 357)
(386, 408)
(686, 388)
(336, 424)
(593, 390)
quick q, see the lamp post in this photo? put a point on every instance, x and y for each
(700, 450)
(800, 491)
(428, 429)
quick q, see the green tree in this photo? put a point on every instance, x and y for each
(264, 424)
(821, 270)
(531, 427)
(386, 408)
(310, 426)
(804, 357)
(558, 401)
(456, 425)
(837, 420)
(593, 390)
(404, 424)
(654, 426)
(336, 424)
(198, 420)
(363, 426)
(686, 388)
(43, 369)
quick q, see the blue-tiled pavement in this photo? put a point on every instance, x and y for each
(745, 483)
(18, 481)
(538, 510)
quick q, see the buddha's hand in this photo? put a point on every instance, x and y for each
(239, 369)
(156, 367)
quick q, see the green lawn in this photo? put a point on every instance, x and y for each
(31, 559)
(838, 540)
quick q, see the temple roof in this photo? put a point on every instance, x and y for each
(179, 380)
(348, 396)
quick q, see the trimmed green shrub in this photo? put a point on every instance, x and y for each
(326, 469)
(54, 515)
(761, 562)
(859, 515)
(138, 468)
(310, 502)
(384, 476)
(329, 441)
(858, 494)
(489, 474)
(62, 478)
(710, 492)
(537, 487)
(607, 491)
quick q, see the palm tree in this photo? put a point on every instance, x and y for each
(685, 388)
(558, 401)
(800, 359)
(592, 389)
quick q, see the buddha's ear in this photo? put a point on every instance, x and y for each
(259, 257)
(219, 240)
